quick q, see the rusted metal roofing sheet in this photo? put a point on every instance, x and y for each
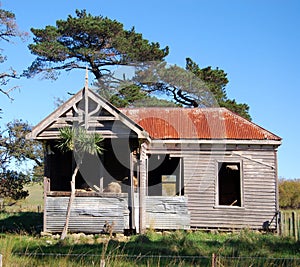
(199, 123)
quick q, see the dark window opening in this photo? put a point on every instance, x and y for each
(95, 172)
(229, 182)
(165, 175)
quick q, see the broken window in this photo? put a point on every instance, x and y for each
(165, 175)
(229, 183)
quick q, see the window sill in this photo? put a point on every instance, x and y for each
(228, 207)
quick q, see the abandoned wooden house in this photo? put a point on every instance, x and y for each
(186, 168)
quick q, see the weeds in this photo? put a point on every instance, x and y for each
(170, 250)
(178, 248)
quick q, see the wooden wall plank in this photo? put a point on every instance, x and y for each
(259, 190)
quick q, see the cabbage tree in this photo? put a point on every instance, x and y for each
(80, 142)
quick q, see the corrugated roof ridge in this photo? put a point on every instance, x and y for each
(179, 108)
(236, 118)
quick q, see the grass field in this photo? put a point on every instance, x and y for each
(33, 203)
(179, 248)
(22, 245)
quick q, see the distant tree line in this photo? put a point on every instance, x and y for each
(289, 194)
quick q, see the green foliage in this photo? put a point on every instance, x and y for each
(241, 109)
(79, 140)
(85, 39)
(100, 43)
(15, 147)
(216, 81)
(245, 248)
(191, 87)
(289, 193)
(127, 96)
(173, 82)
(38, 174)
(133, 96)
(12, 185)
(8, 31)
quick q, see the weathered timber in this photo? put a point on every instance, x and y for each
(88, 214)
(167, 212)
(258, 192)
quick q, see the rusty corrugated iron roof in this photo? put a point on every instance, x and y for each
(199, 123)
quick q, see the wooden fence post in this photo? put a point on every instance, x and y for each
(294, 225)
(286, 225)
(290, 224)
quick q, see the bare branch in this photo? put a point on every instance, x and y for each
(7, 92)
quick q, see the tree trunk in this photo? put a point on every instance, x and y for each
(72, 196)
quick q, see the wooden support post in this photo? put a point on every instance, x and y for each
(102, 263)
(46, 190)
(142, 187)
(213, 260)
(86, 101)
(131, 194)
(101, 185)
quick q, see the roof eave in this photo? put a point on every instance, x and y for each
(220, 141)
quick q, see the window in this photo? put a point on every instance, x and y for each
(165, 175)
(229, 183)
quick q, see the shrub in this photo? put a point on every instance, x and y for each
(12, 185)
(289, 193)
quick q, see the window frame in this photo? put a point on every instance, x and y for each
(179, 183)
(217, 194)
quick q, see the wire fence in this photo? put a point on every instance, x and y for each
(215, 260)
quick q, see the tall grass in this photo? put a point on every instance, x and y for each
(21, 245)
(177, 248)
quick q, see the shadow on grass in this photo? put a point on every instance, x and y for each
(141, 252)
(21, 222)
(172, 250)
(263, 246)
(151, 249)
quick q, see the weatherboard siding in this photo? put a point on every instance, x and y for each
(258, 189)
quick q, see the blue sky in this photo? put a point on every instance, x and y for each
(256, 42)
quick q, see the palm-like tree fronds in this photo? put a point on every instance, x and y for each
(79, 141)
